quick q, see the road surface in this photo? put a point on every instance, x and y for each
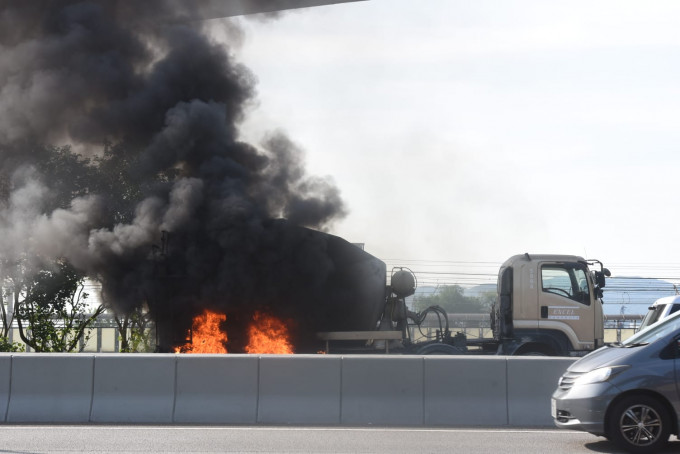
(242, 439)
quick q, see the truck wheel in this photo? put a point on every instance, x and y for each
(639, 424)
(532, 353)
(534, 350)
(441, 349)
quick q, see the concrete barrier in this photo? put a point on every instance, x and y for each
(387, 390)
(133, 388)
(531, 382)
(382, 390)
(50, 388)
(216, 389)
(468, 391)
(5, 380)
(301, 389)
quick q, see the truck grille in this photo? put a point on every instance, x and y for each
(567, 380)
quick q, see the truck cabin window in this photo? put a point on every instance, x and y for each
(568, 282)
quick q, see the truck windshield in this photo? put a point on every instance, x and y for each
(656, 331)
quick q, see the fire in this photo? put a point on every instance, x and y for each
(207, 337)
(268, 334)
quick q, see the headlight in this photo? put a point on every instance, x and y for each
(599, 375)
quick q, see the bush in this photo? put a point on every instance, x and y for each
(7, 346)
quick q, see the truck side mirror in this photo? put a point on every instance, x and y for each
(599, 278)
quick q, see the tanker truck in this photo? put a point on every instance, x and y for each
(336, 297)
(545, 305)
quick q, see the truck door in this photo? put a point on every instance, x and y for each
(566, 305)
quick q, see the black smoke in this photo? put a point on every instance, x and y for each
(138, 82)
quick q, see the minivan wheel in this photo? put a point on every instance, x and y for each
(639, 424)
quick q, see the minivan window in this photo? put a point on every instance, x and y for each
(656, 313)
(653, 316)
(656, 331)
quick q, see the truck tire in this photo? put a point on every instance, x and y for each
(532, 353)
(639, 424)
(441, 349)
(534, 349)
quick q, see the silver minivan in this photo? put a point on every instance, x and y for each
(662, 308)
(626, 392)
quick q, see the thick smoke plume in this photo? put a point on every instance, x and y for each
(136, 83)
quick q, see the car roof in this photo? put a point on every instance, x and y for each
(667, 300)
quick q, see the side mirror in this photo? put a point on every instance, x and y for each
(599, 278)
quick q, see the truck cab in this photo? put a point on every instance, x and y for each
(549, 305)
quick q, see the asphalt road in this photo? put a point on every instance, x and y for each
(195, 439)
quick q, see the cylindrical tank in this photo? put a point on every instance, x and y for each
(403, 283)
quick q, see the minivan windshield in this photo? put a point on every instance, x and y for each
(653, 316)
(655, 331)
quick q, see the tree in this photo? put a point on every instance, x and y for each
(54, 314)
(453, 300)
(12, 282)
(67, 175)
(134, 331)
(7, 346)
(6, 320)
(51, 307)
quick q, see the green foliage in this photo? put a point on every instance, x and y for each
(453, 300)
(7, 346)
(110, 175)
(5, 317)
(117, 180)
(54, 314)
(67, 174)
(139, 342)
(134, 333)
(50, 306)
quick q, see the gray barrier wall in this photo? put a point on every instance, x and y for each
(388, 390)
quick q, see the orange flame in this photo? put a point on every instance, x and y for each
(207, 337)
(268, 334)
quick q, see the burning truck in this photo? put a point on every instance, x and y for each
(311, 292)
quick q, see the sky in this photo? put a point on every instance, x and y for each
(470, 131)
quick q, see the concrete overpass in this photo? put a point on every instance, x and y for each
(182, 10)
